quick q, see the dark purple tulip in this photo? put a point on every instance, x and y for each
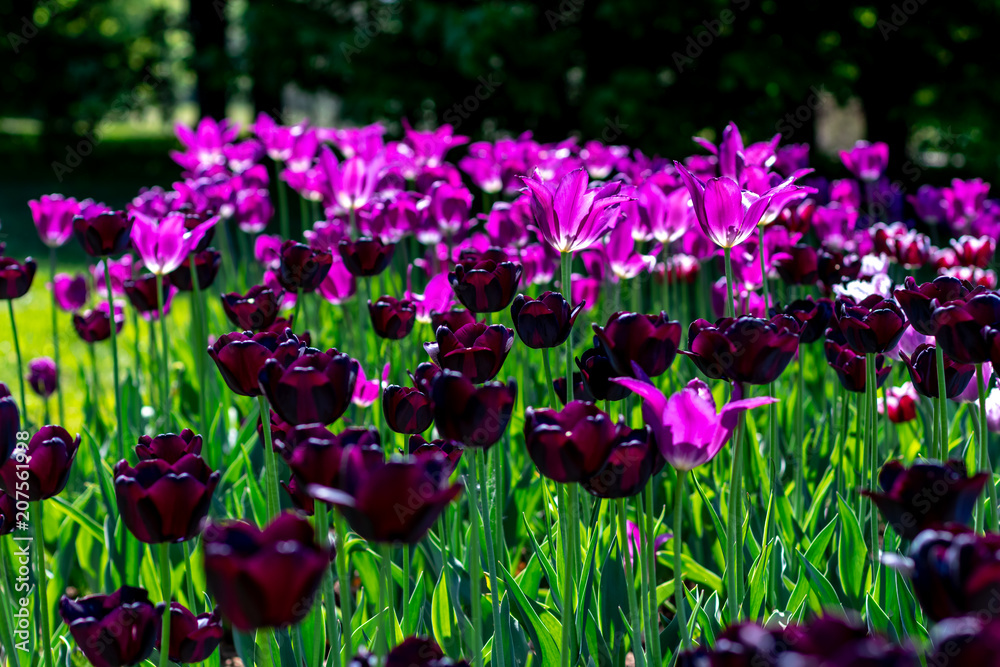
(633, 460)
(48, 457)
(850, 366)
(8, 514)
(917, 301)
(477, 351)
(318, 460)
(264, 578)
(454, 319)
(419, 652)
(923, 372)
(206, 266)
(302, 268)
(419, 448)
(165, 502)
(572, 444)
(473, 416)
(287, 437)
(141, 293)
(797, 265)
(650, 341)
(543, 322)
(833, 268)
(926, 495)
(873, 326)
(424, 375)
(367, 256)
(113, 630)
(94, 325)
(745, 349)
(392, 318)
(168, 446)
(254, 311)
(71, 292)
(240, 357)
(597, 371)
(965, 329)
(969, 640)
(580, 390)
(392, 502)
(43, 376)
(103, 235)
(316, 387)
(16, 277)
(407, 410)
(813, 316)
(301, 500)
(487, 283)
(192, 638)
(10, 423)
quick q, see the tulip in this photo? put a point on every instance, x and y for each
(392, 318)
(873, 326)
(597, 370)
(47, 460)
(319, 460)
(419, 652)
(169, 447)
(315, 387)
(797, 265)
(473, 416)
(917, 301)
(163, 245)
(973, 251)
(113, 630)
(367, 391)
(407, 410)
(240, 357)
(649, 341)
(901, 403)
(104, 234)
(454, 319)
(206, 268)
(43, 376)
(120, 271)
(301, 500)
(367, 256)
(70, 292)
(924, 373)
(746, 349)
(53, 216)
(926, 495)
(544, 322)
(254, 311)
(965, 641)
(633, 460)
(570, 445)
(264, 578)
(10, 424)
(452, 451)
(393, 502)
(476, 350)
(866, 161)
(813, 316)
(95, 325)
(851, 367)
(142, 294)
(8, 514)
(965, 328)
(16, 277)
(192, 638)
(302, 269)
(486, 285)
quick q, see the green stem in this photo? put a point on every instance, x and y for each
(553, 397)
(649, 547)
(942, 401)
(165, 344)
(731, 301)
(43, 581)
(385, 593)
(800, 400)
(165, 590)
(55, 337)
(192, 598)
(566, 266)
(344, 577)
(322, 536)
(199, 349)
(9, 646)
(282, 201)
(17, 352)
(475, 566)
(871, 391)
(733, 541)
(479, 470)
(120, 425)
(763, 269)
(665, 255)
(270, 466)
(678, 564)
(985, 465)
(633, 606)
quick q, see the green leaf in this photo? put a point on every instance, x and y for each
(444, 622)
(758, 580)
(540, 633)
(550, 573)
(877, 620)
(411, 615)
(851, 552)
(820, 585)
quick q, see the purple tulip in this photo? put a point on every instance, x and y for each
(47, 460)
(350, 184)
(95, 325)
(16, 277)
(917, 300)
(922, 366)
(53, 216)
(597, 370)
(486, 283)
(745, 349)
(392, 318)
(473, 416)
(452, 451)
(866, 161)
(318, 458)
(141, 293)
(454, 319)
(315, 387)
(477, 351)
(104, 234)
(206, 267)
(406, 409)
(164, 245)
(649, 341)
(965, 328)
(192, 638)
(572, 444)
(10, 423)
(813, 316)
(851, 367)
(169, 447)
(302, 269)
(544, 322)
(797, 265)
(71, 292)
(367, 391)
(634, 458)
(366, 256)
(254, 311)
(120, 270)
(116, 629)
(874, 325)
(240, 357)
(43, 376)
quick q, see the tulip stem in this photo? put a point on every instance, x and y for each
(566, 265)
(733, 521)
(120, 426)
(55, 337)
(9, 646)
(344, 577)
(199, 315)
(730, 301)
(192, 597)
(678, 564)
(17, 351)
(385, 594)
(475, 566)
(984, 455)
(633, 606)
(800, 402)
(479, 470)
(270, 467)
(871, 391)
(363, 317)
(648, 547)
(43, 581)
(322, 536)
(161, 315)
(282, 200)
(942, 401)
(553, 397)
(165, 590)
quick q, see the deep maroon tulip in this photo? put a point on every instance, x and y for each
(543, 322)
(973, 251)
(392, 502)
(254, 311)
(8, 514)
(850, 366)
(833, 268)
(318, 459)
(969, 640)
(797, 265)
(745, 349)
(454, 319)
(650, 341)
(103, 235)
(417, 652)
(206, 267)
(633, 460)
(813, 316)
(392, 318)
(302, 269)
(424, 375)
(141, 293)
(580, 390)
(192, 638)
(16, 277)
(43, 376)
(94, 325)
(597, 371)
(452, 451)
(570, 445)
(873, 326)
(923, 373)
(477, 351)
(161, 501)
(240, 357)
(10, 423)
(48, 457)
(113, 630)
(264, 578)
(473, 416)
(407, 410)
(315, 387)
(926, 495)
(367, 256)
(168, 446)
(916, 301)
(486, 285)
(300, 499)
(965, 329)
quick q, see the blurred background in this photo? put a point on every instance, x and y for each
(90, 90)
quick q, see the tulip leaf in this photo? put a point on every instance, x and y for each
(540, 634)
(550, 573)
(72, 511)
(814, 554)
(820, 585)
(585, 587)
(851, 552)
(758, 581)
(613, 593)
(877, 620)
(246, 646)
(444, 622)
(693, 570)
(819, 498)
(412, 613)
(720, 526)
